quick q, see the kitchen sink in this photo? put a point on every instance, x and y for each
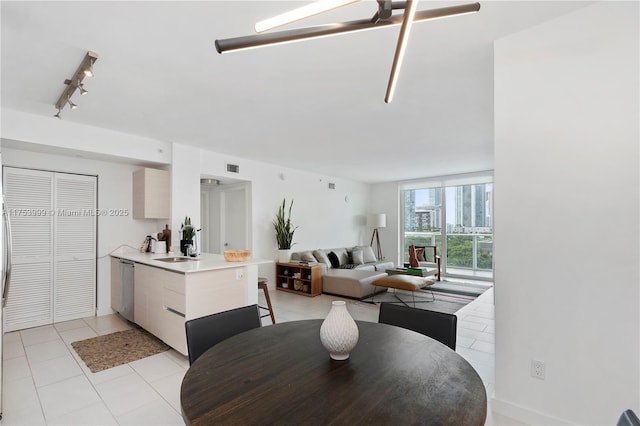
(176, 259)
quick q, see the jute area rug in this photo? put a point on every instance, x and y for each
(103, 352)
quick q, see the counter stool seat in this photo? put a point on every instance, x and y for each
(262, 284)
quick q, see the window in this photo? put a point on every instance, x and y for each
(422, 218)
(458, 220)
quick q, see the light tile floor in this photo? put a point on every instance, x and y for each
(45, 382)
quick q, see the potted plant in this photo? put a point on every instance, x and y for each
(284, 231)
(188, 232)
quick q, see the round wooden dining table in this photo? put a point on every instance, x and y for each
(281, 374)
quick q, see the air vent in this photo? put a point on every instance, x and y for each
(332, 185)
(233, 168)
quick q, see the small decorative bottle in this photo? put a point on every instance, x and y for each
(339, 332)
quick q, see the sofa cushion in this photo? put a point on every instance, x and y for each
(308, 256)
(342, 253)
(357, 256)
(403, 282)
(366, 267)
(368, 255)
(353, 283)
(333, 258)
(321, 257)
(348, 266)
(382, 265)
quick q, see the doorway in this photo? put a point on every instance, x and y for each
(226, 215)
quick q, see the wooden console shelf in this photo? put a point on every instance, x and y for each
(299, 278)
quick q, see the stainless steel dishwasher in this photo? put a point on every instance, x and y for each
(128, 282)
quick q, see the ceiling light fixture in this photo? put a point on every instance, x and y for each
(83, 91)
(403, 38)
(84, 70)
(89, 70)
(383, 18)
(303, 12)
(71, 104)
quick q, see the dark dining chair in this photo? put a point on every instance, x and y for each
(437, 325)
(205, 332)
(628, 418)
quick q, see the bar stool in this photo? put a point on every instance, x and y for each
(262, 284)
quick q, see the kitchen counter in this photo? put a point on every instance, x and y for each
(166, 294)
(204, 262)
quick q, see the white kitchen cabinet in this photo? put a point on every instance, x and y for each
(160, 304)
(148, 305)
(164, 300)
(151, 194)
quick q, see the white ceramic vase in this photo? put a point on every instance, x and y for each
(339, 332)
(284, 255)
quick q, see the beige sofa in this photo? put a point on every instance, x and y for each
(352, 271)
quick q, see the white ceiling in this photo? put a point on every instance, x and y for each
(316, 105)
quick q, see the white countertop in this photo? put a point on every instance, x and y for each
(204, 262)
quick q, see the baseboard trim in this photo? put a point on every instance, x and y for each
(101, 312)
(524, 414)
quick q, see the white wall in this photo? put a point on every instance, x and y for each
(185, 190)
(114, 192)
(385, 199)
(326, 217)
(567, 209)
(67, 135)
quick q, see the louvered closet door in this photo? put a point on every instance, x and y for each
(75, 247)
(29, 202)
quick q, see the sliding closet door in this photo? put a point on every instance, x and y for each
(29, 201)
(53, 224)
(75, 247)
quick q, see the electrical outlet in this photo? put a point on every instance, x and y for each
(538, 369)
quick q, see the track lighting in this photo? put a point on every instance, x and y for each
(89, 71)
(84, 70)
(71, 104)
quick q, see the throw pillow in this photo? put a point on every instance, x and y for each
(420, 254)
(321, 257)
(308, 256)
(357, 256)
(368, 254)
(348, 266)
(333, 258)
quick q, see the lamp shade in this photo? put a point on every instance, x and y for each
(377, 220)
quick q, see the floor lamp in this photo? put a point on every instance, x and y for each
(375, 221)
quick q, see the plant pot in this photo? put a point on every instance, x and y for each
(284, 255)
(184, 243)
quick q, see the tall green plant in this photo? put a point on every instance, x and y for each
(284, 227)
(188, 231)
